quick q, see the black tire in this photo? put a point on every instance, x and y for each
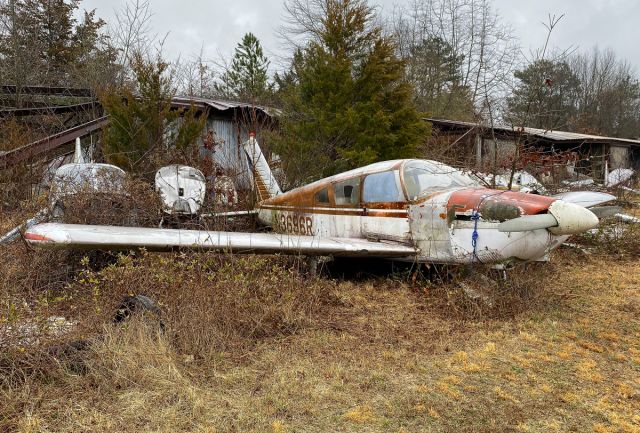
(138, 304)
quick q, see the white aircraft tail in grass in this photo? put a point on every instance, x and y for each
(78, 157)
(266, 185)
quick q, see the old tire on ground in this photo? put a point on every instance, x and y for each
(138, 304)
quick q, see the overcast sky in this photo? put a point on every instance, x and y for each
(217, 25)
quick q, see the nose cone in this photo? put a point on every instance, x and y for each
(572, 218)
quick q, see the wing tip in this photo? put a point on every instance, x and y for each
(36, 237)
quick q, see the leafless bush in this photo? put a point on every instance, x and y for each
(481, 293)
(211, 302)
(213, 307)
(136, 204)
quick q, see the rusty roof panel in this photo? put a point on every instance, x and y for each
(39, 147)
(219, 104)
(537, 132)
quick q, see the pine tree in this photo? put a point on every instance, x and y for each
(42, 43)
(345, 102)
(545, 96)
(144, 131)
(433, 68)
(246, 78)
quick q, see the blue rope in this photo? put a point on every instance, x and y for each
(475, 217)
(474, 236)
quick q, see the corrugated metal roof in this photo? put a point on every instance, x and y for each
(221, 105)
(541, 133)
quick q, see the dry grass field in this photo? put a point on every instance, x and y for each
(255, 345)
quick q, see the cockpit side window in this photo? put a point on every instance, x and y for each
(322, 196)
(382, 187)
(347, 192)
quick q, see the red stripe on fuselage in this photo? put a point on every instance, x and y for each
(471, 199)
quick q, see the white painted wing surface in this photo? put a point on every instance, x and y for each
(585, 198)
(118, 238)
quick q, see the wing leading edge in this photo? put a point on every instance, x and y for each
(122, 238)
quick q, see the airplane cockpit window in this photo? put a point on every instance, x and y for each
(380, 187)
(427, 176)
(347, 192)
(322, 196)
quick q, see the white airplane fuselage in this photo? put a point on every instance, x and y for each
(419, 226)
(451, 225)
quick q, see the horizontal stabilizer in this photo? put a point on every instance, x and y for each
(123, 238)
(606, 211)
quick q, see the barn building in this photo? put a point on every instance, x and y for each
(480, 146)
(228, 126)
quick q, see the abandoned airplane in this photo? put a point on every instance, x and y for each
(413, 210)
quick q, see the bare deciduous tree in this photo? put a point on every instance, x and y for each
(195, 77)
(484, 47)
(609, 97)
(131, 33)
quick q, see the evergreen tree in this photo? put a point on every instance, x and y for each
(144, 131)
(246, 78)
(42, 43)
(345, 100)
(545, 96)
(433, 68)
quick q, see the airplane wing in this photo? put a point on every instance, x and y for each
(123, 238)
(230, 214)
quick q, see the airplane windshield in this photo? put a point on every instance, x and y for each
(422, 177)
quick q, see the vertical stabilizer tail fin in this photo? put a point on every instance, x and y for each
(78, 156)
(266, 185)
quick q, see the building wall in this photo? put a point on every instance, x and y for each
(506, 150)
(618, 157)
(228, 152)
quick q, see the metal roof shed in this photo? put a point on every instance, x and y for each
(604, 153)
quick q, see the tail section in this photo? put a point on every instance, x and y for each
(78, 157)
(266, 184)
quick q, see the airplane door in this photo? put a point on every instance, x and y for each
(349, 210)
(385, 208)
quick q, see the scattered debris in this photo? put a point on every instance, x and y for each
(634, 191)
(138, 304)
(577, 247)
(522, 181)
(627, 218)
(580, 183)
(528, 183)
(182, 189)
(475, 295)
(619, 176)
(224, 191)
(29, 332)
